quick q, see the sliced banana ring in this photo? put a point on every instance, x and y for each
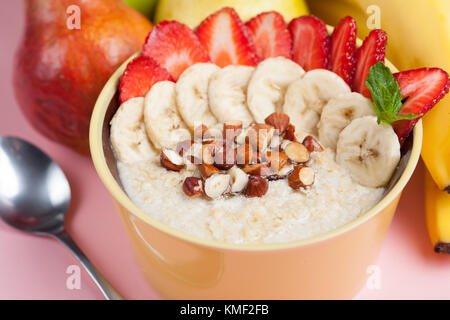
(192, 94)
(268, 84)
(306, 97)
(227, 93)
(128, 137)
(369, 151)
(162, 121)
(338, 113)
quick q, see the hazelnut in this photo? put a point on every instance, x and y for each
(217, 185)
(208, 152)
(256, 187)
(312, 144)
(279, 121)
(231, 129)
(282, 174)
(289, 134)
(239, 179)
(258, 169)
(276, 159)
(242, 136)
(207, 170)
(260, 135)
(275, 143)
(246, 155)
(192, 187)
(225, 158)
(171, 160)
(301, 177)
(297, 152)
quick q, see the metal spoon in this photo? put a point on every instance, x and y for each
(35, 197)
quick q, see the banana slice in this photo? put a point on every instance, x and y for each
(162, 121)
(128, 137)
(306, 97)
(338, 113)
(268, 85)
(369, 151)
(192, 95)
(227, 93)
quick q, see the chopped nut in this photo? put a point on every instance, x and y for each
(256, 187)
(276, 159)
(260, 135)
(191, 163)
(207, 170)
(289, 134)
(171, 160)
(239, 179)
(217, 185)
(301, 177)
(246, 155)
(284, 144)
(282, 174)
(312, 144)
(258, 169)
(192, 186)
(297, 152)
(184, 146)
(279, 121)
(208, 152)
(242, 136)
(225, 158)
(231, 129)
(275, 143)
(288, 167)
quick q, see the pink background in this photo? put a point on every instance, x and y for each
(35, 268)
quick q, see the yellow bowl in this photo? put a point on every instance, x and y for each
(332, 265)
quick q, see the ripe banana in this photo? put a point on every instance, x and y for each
(338, 113)
(128, 137)
(411, 45)
(162, 121)
(437, 208)
(268, 84)
(192, 95)
(369, 151)
(227, 93)
(306, 97)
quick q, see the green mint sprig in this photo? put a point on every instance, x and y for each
(386, 94)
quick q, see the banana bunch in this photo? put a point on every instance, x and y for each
(419, 36)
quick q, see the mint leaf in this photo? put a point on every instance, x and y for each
(386, 94)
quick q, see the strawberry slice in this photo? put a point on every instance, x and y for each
(174, 46)
(422, 89)
(139, 76)
(311, 43)
(227, 39)
(270, 35)
(372, 50)
(343, 49)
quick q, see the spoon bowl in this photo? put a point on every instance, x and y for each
(35, 198)
(34, 192)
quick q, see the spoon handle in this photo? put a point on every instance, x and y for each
(105, 287)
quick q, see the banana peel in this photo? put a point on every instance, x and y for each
(437, 208)
(419, 36)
